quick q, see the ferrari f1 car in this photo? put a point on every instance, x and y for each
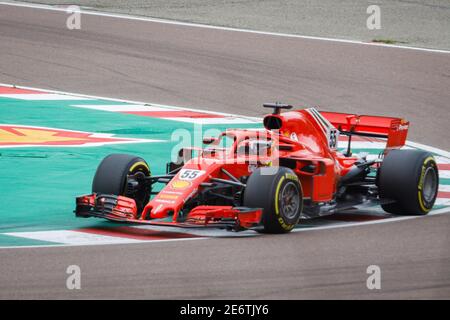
(268, 179)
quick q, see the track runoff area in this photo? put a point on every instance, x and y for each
(51, 143)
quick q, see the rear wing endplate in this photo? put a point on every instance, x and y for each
(394, 130)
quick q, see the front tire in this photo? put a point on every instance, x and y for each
(279, 195)
(411, 179)
(112, 174)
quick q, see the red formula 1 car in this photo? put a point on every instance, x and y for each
(267, 180)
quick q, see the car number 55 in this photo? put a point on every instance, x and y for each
(190, 174)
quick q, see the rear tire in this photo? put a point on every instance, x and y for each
(411, 179)
(279, 195)
(111, 177)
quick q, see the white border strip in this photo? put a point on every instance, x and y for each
(355, 224)
(428, 148)
(99, 244)
(252, 119)
(87, 11)
(337, 226)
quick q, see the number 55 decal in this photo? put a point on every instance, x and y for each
(189, 174)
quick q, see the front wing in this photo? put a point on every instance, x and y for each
(123, 209)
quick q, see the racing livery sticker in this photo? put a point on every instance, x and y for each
(28, 136)
(180, 184)
(164, 195)
(190, 174)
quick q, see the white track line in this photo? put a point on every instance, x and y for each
(119, 107)
(444, 174)
(327, 227)
(251, 119)
(355, 224)
(440, 152)
(71, 237)
(86, 11)
(101, 244)
(42, 97)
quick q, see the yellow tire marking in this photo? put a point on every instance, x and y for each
(428, 159)
(277, 210)
(140, 163)
(420, 186)
(421, 203)
(283, 224)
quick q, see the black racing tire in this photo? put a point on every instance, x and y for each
(411, 179)
(281, 213)
(111, 177)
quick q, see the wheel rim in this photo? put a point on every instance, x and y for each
(289, 201)
(429, 184)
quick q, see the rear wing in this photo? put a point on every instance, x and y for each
(394, 130)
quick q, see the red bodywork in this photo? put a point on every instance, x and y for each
(304, 138)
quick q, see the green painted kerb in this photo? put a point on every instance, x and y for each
(38, 185)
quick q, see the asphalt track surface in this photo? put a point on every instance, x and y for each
(233, 72)
(424, 23)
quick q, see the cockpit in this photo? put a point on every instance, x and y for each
(251, 144)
